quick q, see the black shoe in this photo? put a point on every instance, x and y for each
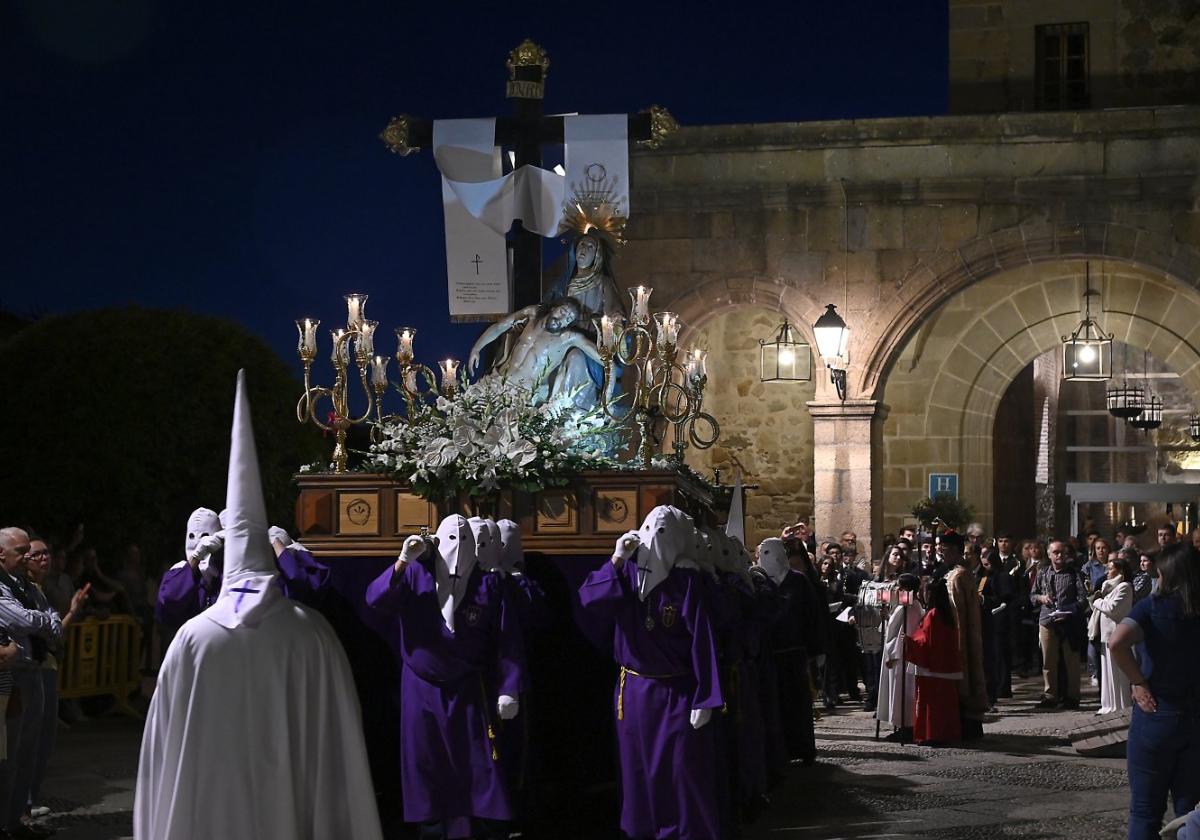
(1070, 705)
(868, 706)
(1047, 703)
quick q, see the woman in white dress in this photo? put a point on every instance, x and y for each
(897, 684)
(1111, 603)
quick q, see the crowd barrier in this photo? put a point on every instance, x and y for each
(102, 657)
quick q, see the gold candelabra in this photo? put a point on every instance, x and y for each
(354, 347)
(662, 388)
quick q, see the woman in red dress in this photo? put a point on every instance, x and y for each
(934, 657)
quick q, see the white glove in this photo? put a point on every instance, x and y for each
(626, 545)
(820, 660)
(209, 570)
(412, 550)
(999, 609)
(700, 717)
(507, 707)
(208, 546)
(279, 535)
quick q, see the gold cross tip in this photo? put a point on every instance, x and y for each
(528, 54)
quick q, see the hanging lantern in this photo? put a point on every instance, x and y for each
(785, 359)
(1151, 416)
(1087, 352)
(1125, 401)
(1194, 427)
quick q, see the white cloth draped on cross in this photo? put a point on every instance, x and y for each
(480, 204)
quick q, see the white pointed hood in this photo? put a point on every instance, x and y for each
(248, 586)
(730, 557)
(706, 550)
(202, 523)
(488, 551)
(772, 557)
(453, 562)
(510, 539)
(667, 538)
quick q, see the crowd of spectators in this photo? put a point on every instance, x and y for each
(46, 585)
(1106, 610)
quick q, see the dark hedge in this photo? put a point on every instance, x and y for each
(119, 419)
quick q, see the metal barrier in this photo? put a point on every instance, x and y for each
(101, 657)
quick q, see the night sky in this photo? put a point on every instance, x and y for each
(223, 158)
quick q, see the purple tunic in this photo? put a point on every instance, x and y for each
(740, 645)
(449, 759)
(184, 594)
(668, 660)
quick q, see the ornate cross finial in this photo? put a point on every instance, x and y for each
(661, 124)
(528, 54)
(397, 134)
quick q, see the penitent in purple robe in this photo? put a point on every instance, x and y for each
(668, 660)
(184, 593)
(449, 682)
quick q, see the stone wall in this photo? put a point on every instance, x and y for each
(1141, 52)
(763, 424)
(891, 219)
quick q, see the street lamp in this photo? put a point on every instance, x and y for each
(833, 339)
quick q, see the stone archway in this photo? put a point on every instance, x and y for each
(929, 284)
(947, 380)
(765, 427)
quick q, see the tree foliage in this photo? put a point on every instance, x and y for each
(952, 512)
(120, 419)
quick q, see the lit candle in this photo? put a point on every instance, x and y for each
(307, 328)
(356, 310)
(668, 327)
(607, 339)
(449, 373)
(379, 372)
(696, 365)
(404, 349)
(366, 339)
(640, 296)
(341, 349)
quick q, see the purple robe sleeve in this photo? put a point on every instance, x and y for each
(604, 591)
(704, 649)
(181, 596)
(510, 649)
(536, 616)
(389, 591)
(304, 578)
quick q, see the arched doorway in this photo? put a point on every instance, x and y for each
(945, 386)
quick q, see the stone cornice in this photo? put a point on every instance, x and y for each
(853, 409)
(1054, 126)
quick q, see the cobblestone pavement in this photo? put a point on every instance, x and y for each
(1023, 781)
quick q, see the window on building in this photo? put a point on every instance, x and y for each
(1062, 66)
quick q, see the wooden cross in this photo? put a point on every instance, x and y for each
(525, 132)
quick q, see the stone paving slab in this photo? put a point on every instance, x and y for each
(1024, 780)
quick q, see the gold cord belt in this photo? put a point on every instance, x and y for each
(621, 685)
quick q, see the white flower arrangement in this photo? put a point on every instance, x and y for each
(489, 435)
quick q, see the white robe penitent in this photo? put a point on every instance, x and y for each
(896, 694)
(255, 732)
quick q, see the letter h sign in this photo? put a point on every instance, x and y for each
(943, 484)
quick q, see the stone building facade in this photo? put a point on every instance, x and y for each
(955, 247)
